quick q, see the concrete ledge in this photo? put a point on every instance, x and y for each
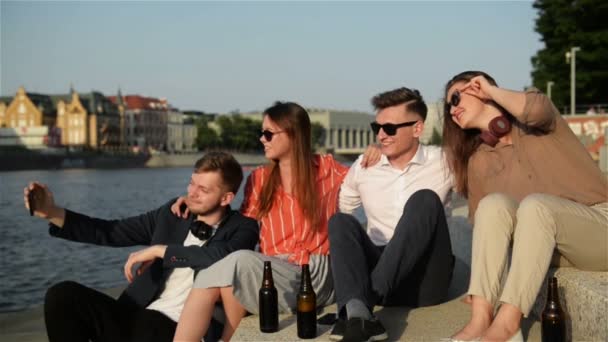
(431, 323)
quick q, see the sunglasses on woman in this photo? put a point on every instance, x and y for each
(268, 134)
(455, 98)
(457, 95)
(390, 128)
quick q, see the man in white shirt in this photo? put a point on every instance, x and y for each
(404, 255)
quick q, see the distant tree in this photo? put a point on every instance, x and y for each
(239, 133)
(246, 134)
(318, 135)
(207, 137)
(563, 24)
(435, 137)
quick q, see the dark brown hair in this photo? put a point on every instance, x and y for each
(460, 144)
(410, 97)
(229, 169)
(294, 120)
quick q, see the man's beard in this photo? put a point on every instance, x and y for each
(203, 212)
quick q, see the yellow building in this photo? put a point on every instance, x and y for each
(2, 113)
(73, 120)
(20, 112)
(89, 120)
(78, 120)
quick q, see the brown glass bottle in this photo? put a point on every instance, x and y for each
(553, 325)
(268, 302)
(307, 307)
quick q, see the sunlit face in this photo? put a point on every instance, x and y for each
(279, 145)
(206, 193)
(468, 107)
(405, 138)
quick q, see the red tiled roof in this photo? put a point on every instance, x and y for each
(141, 102)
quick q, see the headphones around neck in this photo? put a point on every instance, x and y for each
(203, 231)
(498, 128)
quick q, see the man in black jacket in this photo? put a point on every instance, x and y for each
(148, 310)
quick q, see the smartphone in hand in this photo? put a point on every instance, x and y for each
(34, 198)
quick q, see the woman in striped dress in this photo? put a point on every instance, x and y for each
(292, 197)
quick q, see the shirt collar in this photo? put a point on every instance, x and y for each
(419, 158)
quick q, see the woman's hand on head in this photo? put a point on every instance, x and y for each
(479, 87)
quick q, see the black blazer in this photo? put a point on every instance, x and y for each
(159, 227)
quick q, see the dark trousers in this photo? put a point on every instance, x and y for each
(415, 267)
(73, 312)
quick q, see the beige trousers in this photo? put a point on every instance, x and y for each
(535, 227)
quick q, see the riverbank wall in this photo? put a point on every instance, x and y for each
(188, 160)
(35, 160)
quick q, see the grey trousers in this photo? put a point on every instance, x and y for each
(244, 270)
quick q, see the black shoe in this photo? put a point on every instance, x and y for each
(364, 330)
(337, 333)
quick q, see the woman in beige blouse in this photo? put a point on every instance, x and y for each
(531, 185)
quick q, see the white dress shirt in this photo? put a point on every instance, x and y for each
(178, 285)
(383, 189)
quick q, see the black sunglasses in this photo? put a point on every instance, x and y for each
(268, 134)
(390, 128)
(455, 98)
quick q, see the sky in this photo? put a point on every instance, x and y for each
(226, 56)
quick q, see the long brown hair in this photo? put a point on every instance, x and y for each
(460, 144)
(294, 120)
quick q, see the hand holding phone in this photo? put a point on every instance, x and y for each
(35, 198)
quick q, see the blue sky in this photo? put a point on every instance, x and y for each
(222, 56)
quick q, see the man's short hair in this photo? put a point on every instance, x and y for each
(230, 170)
(410, 97)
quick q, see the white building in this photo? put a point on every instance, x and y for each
(181, 132)
(346, 132)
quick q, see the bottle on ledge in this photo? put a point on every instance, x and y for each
(268, 302)
(306, 307)
(553, 320)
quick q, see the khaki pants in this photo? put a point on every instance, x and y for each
(535, 227)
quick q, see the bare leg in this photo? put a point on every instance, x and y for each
(481, 318)
(505, 325)
(196, 316)
(234, 312)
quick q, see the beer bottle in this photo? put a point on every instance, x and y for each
(268, 302)
(553, 327)
(307, 307)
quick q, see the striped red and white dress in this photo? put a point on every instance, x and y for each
(285, 230)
